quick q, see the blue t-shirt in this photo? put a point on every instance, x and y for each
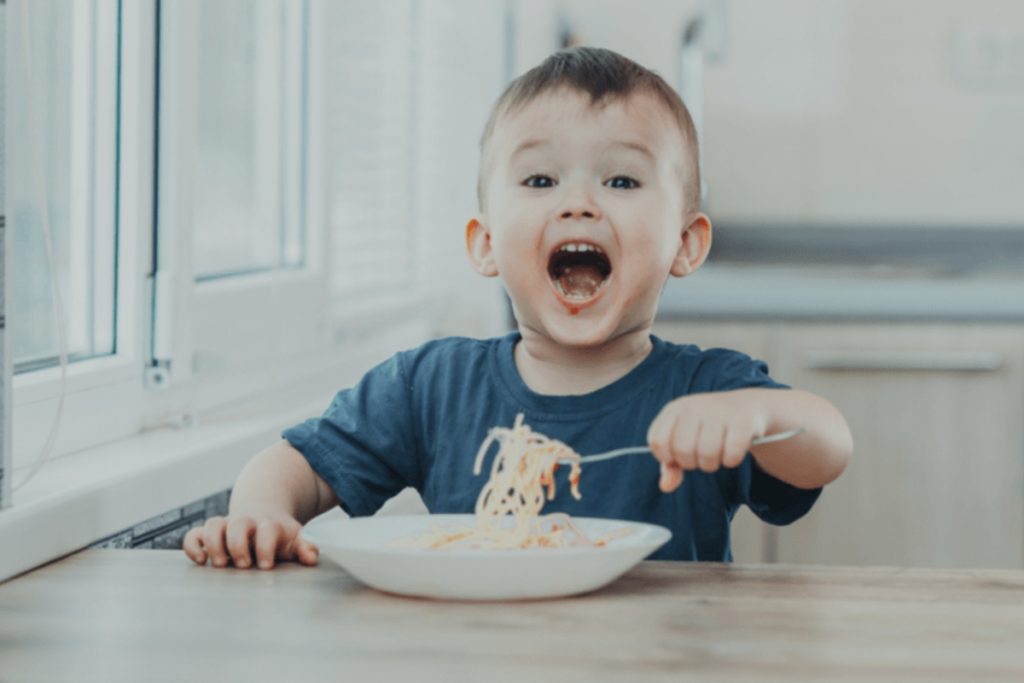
(418, 419)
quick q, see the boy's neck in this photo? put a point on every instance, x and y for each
(551, 369)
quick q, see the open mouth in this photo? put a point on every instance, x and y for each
(579, 270)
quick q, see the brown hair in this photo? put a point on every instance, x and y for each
(605, 76)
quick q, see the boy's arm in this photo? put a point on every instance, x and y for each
(279, 480)
(711, 430)
(276, 493)
(812, 459)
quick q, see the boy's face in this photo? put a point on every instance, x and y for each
(585, 215)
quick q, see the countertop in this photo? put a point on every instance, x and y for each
(805, 292)
(135, 615)
(893, 272)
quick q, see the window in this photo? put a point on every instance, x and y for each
(249, 138)
(240, 279)
(65, 97)
(62, 196)
(236, 191)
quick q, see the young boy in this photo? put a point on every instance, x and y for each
(589, 200)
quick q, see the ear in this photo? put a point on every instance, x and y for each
(694, 246)
(478, 248)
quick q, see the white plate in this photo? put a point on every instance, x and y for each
(365, 548)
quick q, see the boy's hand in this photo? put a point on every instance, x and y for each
(235, 538)
(704, 431)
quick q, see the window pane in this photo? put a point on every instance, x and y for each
(249, 135)
(63, 101)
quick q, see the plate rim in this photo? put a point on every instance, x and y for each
(308, 533)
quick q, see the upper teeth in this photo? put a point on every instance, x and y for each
(580, 246)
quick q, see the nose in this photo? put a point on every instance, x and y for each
(579, 205)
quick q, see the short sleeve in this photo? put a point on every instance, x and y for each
(363, 446)
(734, 370)
(771, 499)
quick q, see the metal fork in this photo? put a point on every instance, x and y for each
(759, 441)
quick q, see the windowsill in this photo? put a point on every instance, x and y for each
(78, 499)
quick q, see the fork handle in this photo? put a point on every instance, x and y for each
(614, 454)
(632, 450)
(780, 436)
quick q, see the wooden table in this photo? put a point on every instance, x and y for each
(140, 615)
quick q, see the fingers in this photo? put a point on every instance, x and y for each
(685, 440)
(268, 537)
(193, 546)
(306, 552)
(711, 447)
(674, 437)
(671, 478)
(292, 547)
(240, 531)
(686, 437)
(659, 436)
(281, 540)
(246, 541)
(213, 541)
(737, 443)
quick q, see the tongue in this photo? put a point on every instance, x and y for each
(580, 281)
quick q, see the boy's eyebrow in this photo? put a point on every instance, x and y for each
(636, 146)
(625, 144)
(529, 144)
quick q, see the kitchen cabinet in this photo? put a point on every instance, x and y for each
(937, 415)
(937, 477)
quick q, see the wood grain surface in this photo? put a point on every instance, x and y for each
(136, 615)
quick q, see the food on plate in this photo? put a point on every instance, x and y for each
(508, 507)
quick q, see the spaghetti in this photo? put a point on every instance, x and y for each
(508, 507)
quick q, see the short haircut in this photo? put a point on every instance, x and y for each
(605, 76)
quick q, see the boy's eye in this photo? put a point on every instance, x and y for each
(622, 182)
(539, 181)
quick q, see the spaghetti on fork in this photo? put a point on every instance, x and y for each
(508, 508)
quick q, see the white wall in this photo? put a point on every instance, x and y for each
(868, 111)
(461, 73)
(836, 112)
(646, 31)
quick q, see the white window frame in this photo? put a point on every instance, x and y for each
(111, 380)
(284, 328)
(232, 335)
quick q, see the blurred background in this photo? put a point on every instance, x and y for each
(235, 205)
